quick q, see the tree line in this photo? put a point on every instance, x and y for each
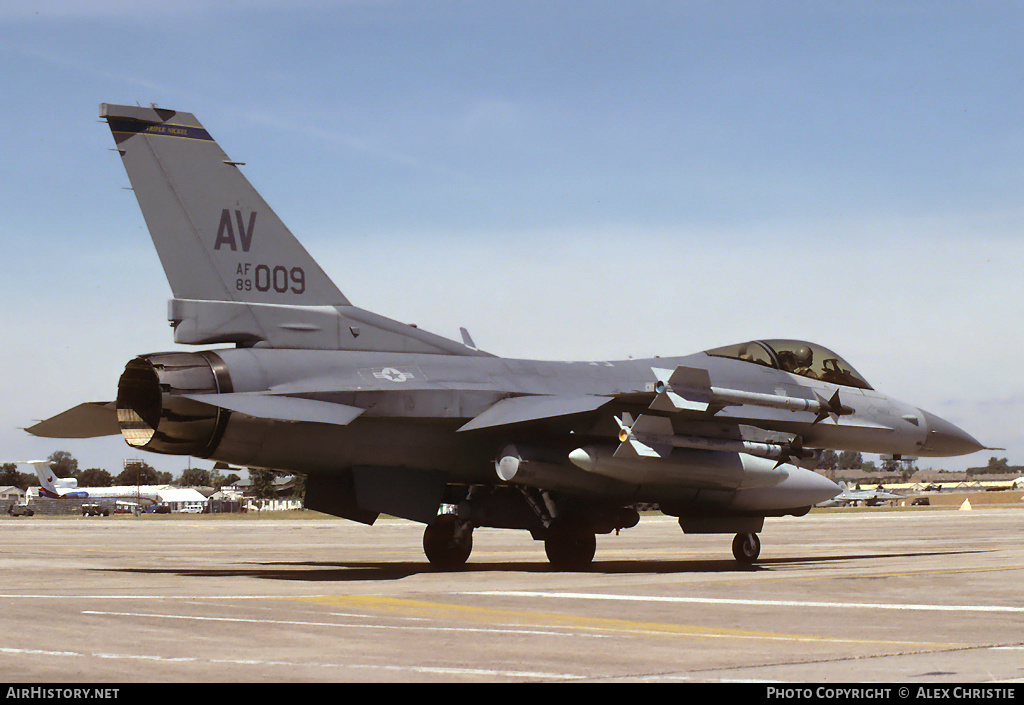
(65, 465)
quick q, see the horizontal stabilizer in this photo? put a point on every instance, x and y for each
(90, 420)
(534, 408)
(266, 406)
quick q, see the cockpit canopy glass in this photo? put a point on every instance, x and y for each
(798, 357)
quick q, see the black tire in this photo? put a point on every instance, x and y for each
(569, 546)
(746, 548)
(447, 542)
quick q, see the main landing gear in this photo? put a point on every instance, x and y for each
(448, 541)
(569, 545)
(746, 548)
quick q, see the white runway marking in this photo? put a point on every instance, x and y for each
(350, 625)
(439, 670)
(757, 603)
(188, 598)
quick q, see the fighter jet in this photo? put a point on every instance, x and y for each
(870, 498)
(384, 417)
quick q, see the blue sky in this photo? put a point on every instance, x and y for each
(568, 180)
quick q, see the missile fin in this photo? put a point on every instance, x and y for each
(670, 401)
(633, 448)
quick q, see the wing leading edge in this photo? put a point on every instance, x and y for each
(515, 410)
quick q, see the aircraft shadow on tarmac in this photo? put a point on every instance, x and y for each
(340, 571)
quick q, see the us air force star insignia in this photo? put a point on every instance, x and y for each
(393, 375)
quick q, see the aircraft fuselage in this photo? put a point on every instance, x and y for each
(411, 407)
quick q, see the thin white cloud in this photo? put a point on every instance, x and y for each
(68, 63)
(148, 10)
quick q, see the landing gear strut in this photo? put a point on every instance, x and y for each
(746, 548)
(448, 541)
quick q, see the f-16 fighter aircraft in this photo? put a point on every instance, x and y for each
(870, 498)
(383, 417)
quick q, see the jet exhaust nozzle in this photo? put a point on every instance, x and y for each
(152, 416)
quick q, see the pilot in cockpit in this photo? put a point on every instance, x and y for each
(798, 361)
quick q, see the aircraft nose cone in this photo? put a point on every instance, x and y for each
(945, 439)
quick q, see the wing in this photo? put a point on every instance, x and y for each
(514, 410)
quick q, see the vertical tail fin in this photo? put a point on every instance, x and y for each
(237, 273)
(47, 488)
(217, 238)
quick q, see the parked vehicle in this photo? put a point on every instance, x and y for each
(20, 510)
(95, 510)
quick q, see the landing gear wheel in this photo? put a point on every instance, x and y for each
(569, 546)
(746, 548)
(447, 542)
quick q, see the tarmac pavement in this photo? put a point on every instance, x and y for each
(919, 596)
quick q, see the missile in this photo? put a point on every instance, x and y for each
(652, 436)
(833, 407)
(689, 389)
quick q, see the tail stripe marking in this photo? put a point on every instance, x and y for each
(132, 127)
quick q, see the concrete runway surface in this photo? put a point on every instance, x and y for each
(913, 596)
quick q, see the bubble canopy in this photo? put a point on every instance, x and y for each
(796, 356)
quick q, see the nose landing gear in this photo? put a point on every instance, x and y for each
(447, 542)
(746, 548)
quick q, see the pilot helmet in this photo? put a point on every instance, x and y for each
(803, 355)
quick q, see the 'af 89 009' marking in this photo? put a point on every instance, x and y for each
(279, 278)
(262, 277)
